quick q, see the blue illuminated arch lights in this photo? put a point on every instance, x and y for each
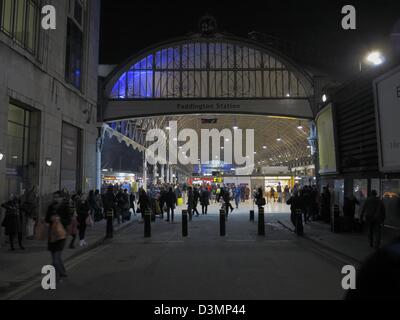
(207, 70)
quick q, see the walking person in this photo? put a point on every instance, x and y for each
(190, 202)
(297, 210)
(196, 197)
(132, 199)
(204, 200)
(57, 217)
(91, 200)
(143, 202)
(326, 205)
(73, 227)
(29, 210)
(237, 195)
(13, 222)
(226, 198)
(259, 198)
(374, 214)
(170, 201)
(82, 210)
(109, 202)
(349, 211)
(99, 213)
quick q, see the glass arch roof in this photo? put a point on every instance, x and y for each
(207, 69)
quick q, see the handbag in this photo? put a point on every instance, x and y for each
(57, 231)
(89, 221)
(41, 231)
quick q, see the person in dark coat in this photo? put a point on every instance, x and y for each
(259, 197)
(326, 205)
(226, 198)
(91, 200)
(13, 222)
(170, 201)
(204, 200)
(190, 202)
(196, 197)
(374, 214)
(144, 202)
(109, 204)
(349, 211)
(82, 209)
(296, 204)
(132, 199)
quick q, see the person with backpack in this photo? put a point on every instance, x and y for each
(374, 214)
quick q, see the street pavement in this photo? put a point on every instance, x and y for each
(203, 266)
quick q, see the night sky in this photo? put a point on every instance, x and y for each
(130, 26)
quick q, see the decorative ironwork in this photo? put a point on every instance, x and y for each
(208, 69)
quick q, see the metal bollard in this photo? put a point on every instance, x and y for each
(184, 223)
(251, 215)
(222, 220)
(110, 224)
(147, 224)
(261, 222)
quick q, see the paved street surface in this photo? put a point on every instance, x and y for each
(203, 266)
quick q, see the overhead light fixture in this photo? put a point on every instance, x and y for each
(49, 162)
(235, 127)
(1, 155)
(288, 95)
(279, 139)
(264, 147)
(324, 98)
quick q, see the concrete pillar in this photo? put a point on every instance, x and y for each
(144, 171)
(99, 148)
(168, 173)
(162, 173)
(155, 173)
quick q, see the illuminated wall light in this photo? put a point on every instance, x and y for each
(49, 162)
(1, 155)
(324, 98)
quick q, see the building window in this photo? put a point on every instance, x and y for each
(71, 158)
(22, 149)
(19, 19)
(74, 49)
